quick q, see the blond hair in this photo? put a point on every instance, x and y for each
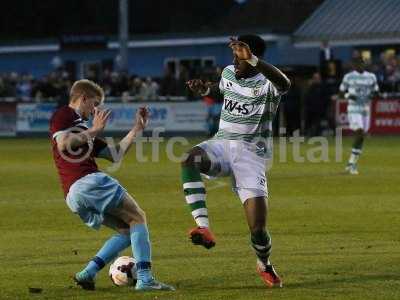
(86, 87)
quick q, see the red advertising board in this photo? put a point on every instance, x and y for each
(7, 119)
(385, 116)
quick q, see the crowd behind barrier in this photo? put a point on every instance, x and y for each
(130, 87)
(308, 106)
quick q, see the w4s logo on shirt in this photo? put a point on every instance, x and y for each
(236, 108)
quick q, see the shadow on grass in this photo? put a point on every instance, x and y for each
(341, 281)
(101, 292)
(192, 287)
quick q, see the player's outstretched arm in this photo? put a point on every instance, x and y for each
(116, 153)
(69, 140)
(201, 88)
(242, 51)
(276, 76)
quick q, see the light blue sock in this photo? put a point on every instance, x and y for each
(141, 250)
(107, 253)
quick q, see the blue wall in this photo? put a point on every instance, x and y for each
(36, 63)
(150, 61)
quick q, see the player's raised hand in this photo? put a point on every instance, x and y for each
(240, 49)
(100, 119)
(198, 86)
(142, 118)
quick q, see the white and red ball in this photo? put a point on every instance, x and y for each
(123, 271)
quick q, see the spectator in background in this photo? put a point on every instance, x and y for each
(181, 82)
(114, 89)
(52, 86)
(316, 105)
(3, 88)
(49, 87)
(152, 89)
(123, 82)
(125, 97)
(138, 89)
(146, 90)
(291, 108)
(106, 77)
(134, 86)
(391, 75)
(24, 88)
(168, 83)
(106, 82)
(12, 84)
(214, 102)
(7, 86)
(118, 84)
(214, 107)
(217, 73)
(210, 73)
(356, 54)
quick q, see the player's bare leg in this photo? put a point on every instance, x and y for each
(130, 213)
(256, 214)
(355, 152)
(195, 163)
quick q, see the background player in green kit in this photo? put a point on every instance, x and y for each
(358, 87)
(242, 146)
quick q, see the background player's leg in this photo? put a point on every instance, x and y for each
(357, 147)
(256, 214)
(195, 163)
(356, 124)
(111, 248)
(359, 139)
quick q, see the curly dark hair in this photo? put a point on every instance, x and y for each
(256, 43)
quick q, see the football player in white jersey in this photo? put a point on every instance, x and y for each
(358, 87)
(241, 148)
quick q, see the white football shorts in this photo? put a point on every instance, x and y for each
(359, 117)
(238, 159)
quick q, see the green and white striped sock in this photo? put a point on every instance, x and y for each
(261, 243)
(195, 195)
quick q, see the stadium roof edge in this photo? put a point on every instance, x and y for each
(54, 47)
(186, 41)
(353, 42)
(29, 48)
(356, 22)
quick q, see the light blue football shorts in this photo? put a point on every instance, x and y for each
(92, 196)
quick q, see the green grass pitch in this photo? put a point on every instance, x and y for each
(335, 236)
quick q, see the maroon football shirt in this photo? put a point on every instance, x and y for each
(75, 163)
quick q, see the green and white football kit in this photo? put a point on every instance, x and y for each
(359, 88)
(242, 146)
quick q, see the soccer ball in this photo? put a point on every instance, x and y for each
(123, 271)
